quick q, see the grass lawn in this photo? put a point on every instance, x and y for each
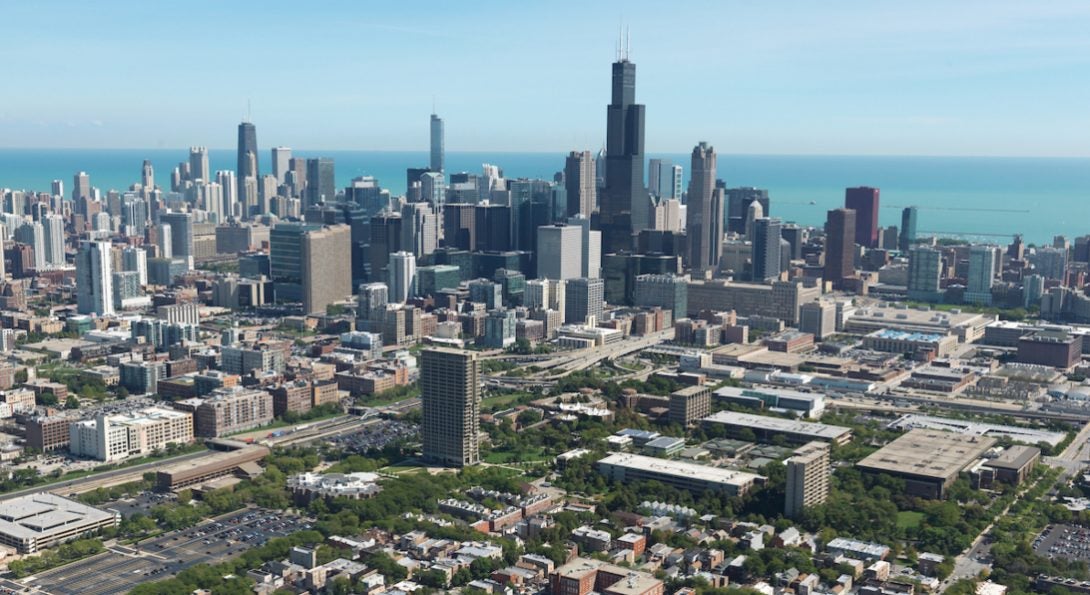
(499, 457)
(909, 519)
(406, 466)
(501, 401)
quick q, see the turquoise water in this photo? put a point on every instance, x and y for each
(980, 198)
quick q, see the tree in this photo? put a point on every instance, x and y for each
(71, 403)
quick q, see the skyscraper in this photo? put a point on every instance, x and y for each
(247, 156)
(135, 260)
(580, 183)
(181, 236)
(281, 161)
(664, 179)
(704, 216)
(321, 183)
(94, 281)
(625, 204)
(908, 229)
(559, 252)
(982, 265)
(32, 234)
(327, 267)
(738, 203)
(81, 186)
(198, 164)
(584, 300)
(864, 201)
(839, 247)
(450, 393)
(53, 228)
(436, 143)
(766, 249)
(807, 478)
(402, 276)
(147, 176)
(924, 274)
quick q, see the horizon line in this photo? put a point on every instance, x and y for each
(564, 152)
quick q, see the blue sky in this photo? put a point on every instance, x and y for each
(836, 77)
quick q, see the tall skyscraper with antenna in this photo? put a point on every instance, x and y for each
(625, 203)
(247, 155)
(437, 149)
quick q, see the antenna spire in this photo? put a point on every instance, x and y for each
(249, 114)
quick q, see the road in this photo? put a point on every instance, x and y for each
(111, 477)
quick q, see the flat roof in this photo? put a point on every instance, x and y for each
(778, 424)
(41, 515)
(899, 335)
(898, 316)
(928, 453)
(757, 391)
(704, 473)
(1014, 457)
(1017, 433)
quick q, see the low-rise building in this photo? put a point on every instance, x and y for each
(32, 523)
(766, 429)
(624, 467)
(307, 487)
(928, 460)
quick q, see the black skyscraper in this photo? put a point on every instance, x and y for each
(626, 206)
(247, 157)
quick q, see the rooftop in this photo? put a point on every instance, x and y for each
(961, 426)
(928, 453)
(705, 473)
(898, 335)
(779, 424)
(41, 515)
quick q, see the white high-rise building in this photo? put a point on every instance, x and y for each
(591, 246)
(402, 273)
(166, 241)
(558, 295)
(135, 260)
(537, 294)
(53, 226)
(281, 162)
(227, 180)
(94, 281)
(419, 228)
(559, 251)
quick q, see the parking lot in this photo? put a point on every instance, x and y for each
(377, 436)
(123, 567)
(1063, 541)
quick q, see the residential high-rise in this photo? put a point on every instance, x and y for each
(766, 249)
(807, 478)
(559, 251)
(247, 156)
(53, 228)
(321, 183)
(839, 246)
(982, 265)
(402, 273)
(32, 234)
(94, 279)
(864, 201)
(181, 236)
(437, 150)
(625, 204)
(584, 300)
(580, 183)
(135, 260)
(924, 274)
(281, 162)
(450, 394)
(704, 216)
(908, 229)
(198, 164)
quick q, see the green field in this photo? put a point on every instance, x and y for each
(909, 519)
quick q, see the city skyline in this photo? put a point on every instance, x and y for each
(919, 80)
